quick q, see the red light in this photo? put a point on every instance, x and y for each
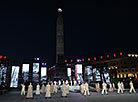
(114, 55)
(5, 57)
(95, 58)
(71, 60)
(0, 57)
(107, 56)
(83, 59)
(121, 53)
(65, 61)
(89, 59)
(101, 57)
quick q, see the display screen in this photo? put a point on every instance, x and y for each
(25, 72)
(14, 76)
(96, 73)
(35, 72)
(88, 72)
(78, 72)
(106, 75)
(43, 74)
(78, 68)
(3, 71)
(69, 72)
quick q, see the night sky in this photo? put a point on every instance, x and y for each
(28, 29)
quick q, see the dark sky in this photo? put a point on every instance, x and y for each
(28, 29)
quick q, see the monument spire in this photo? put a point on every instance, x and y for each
(59, 39)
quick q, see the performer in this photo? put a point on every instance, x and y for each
(52, 88)
(43, 89)
(113, 84)
(30, 91)
(48, 93)
(64, 92)
(110, 87)
(97, 85)
(38, 89)
(86, 90)
(104, 86)
(122, 86)
(119, 88)
(131, 87)
(67, 88)
(55, 88)
(82, 88)
(23, 90)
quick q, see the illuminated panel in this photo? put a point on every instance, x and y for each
(96, 73)
(78, 72)
(14, 76)
(25, 72)
(88, 72)
(35, 72)
(106, 75)
(43, 73)
(69, 72)
(3, 71)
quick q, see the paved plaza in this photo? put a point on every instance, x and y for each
(14, 96)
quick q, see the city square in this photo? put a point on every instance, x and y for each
(68, 52)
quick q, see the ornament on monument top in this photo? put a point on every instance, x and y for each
(59, 10)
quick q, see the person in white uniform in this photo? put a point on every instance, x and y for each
(132, 87)
(43, 88)
(110, 87)
(30, 91)
(48, 93)
(104, 90)
(64, 92)
(122, 85)
(82, 88)
(55, 88)
(37, 89)
(86, 90)
(23, 90)
(119, 87)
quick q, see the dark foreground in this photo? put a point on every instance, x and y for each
(14, 96)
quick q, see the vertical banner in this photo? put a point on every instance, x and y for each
(89, 74)
(69, 72)
(3, 71)
(106, 75)
(96, 73)
(43, 74)
(14, 76)
(78, 72)
(35, 72)
(25, 72)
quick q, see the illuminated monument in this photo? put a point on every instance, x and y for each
(59, 39)
(59, 71)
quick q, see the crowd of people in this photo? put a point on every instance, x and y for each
(53, 88)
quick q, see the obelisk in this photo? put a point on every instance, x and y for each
(59, 39)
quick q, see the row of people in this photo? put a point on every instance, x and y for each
(49, 90)
(112, 87)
